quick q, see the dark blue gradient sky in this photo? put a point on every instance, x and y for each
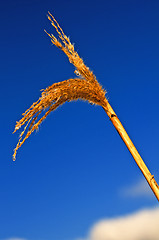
(71, 172)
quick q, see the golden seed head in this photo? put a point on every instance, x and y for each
(85, 88)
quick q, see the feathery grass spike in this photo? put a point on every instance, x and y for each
(86, 88)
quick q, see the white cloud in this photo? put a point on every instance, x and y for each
(81, 239)
(138, 189)
(143, 225)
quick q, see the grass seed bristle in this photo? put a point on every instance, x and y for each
(85, 88)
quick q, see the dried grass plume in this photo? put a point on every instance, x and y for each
(84, 87)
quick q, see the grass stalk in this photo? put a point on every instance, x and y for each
(123, 134)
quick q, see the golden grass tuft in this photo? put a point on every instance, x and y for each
(85, 87)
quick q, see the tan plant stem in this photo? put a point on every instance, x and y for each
(123, 134)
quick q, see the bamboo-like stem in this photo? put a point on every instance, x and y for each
(123, 134)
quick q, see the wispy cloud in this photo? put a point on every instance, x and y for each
(138, 189)
(142, 225)
(14, 238)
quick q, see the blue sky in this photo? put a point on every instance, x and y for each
(76, 170)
